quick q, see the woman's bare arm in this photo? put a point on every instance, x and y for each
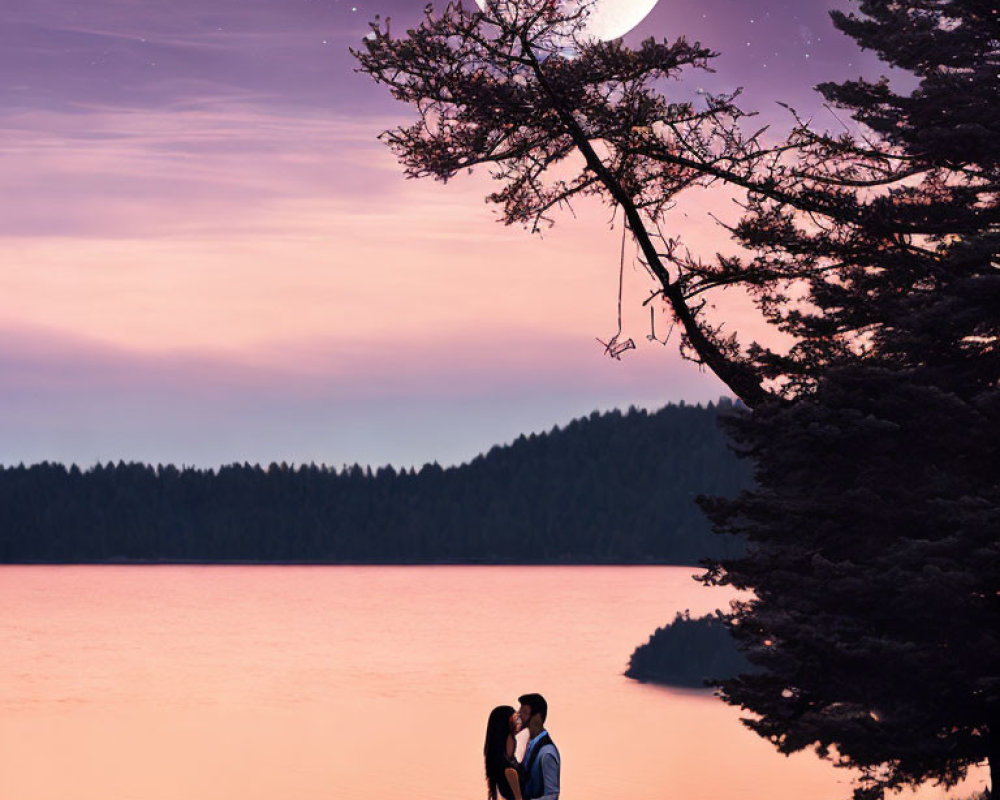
(514, 781)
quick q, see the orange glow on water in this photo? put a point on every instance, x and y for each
(260, 682)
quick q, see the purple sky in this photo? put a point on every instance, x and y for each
(206, 257)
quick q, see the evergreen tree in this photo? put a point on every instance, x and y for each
(873, 528)
(873, 559)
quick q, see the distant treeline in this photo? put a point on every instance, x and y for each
(688, 652)
(610, 488)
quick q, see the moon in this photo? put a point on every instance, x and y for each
(608, 19)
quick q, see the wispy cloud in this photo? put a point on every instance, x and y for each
(131, 170)
(63, 55)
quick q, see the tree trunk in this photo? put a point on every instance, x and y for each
(744, 381)
(993, 756)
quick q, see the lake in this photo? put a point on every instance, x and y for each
(266, 683)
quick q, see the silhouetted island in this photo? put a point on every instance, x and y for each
(688, 652)
(609, 488)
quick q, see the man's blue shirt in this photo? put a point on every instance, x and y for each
(545, 770)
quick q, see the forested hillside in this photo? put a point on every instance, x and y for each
(609, 488)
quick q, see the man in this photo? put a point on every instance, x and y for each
(541, 758)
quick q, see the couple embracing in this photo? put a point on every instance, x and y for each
(537, 776)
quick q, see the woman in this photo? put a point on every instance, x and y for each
(503, 773)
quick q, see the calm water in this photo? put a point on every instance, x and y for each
(266, 683)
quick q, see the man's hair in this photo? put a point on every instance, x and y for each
(536, 703)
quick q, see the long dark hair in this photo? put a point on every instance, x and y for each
(495, 752)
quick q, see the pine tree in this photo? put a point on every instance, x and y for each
(873, 531)
(874, 562)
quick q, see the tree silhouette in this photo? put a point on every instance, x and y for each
(872, 531)
(873, 560)
(873, 527)
(560, 118)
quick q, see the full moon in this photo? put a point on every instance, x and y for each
(609, 19)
